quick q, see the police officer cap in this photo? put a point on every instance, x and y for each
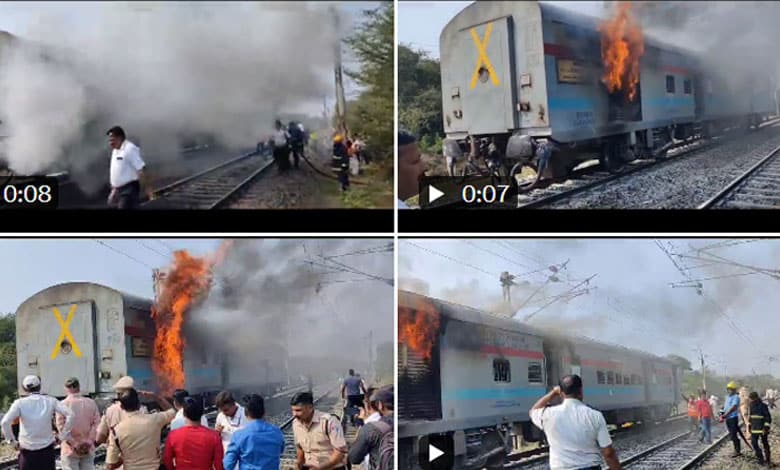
(124, 383)
(384, 395)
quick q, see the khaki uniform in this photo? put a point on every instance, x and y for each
(138, 440)
(320, 438)
(113, 415)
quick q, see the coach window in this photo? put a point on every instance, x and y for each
(670, 83)
(501, 371)
(687, 88)
(618, 378)
(600, 377)
(534, 372)
(610, 377)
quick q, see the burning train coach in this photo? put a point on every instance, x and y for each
(521, 73)
(99, 334)
(472, 376)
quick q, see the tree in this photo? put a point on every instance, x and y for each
(419, 96)
(680, 361)
(8, 386)
(371, 115)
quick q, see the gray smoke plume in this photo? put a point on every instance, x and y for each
(730, 36)
(634, 303)
(165, 71)
(268, 304)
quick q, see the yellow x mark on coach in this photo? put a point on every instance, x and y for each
(483, 58)
(65, 332)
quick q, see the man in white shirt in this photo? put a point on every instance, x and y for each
(281, 143)
(178, 403)
(36, 436)
(577, 434)
(127, 171)
(230, 418)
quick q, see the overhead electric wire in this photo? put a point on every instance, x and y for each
(152, 249)
(122, 253)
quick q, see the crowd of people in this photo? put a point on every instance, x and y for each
(578, 437)
(240, 440)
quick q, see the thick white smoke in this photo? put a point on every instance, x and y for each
(162, 70)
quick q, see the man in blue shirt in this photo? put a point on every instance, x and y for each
(731, 414)
(257, 446)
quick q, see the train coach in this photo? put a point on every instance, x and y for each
(516, 72)
(482, 373)
(99, 334)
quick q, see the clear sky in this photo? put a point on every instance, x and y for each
(420, 23)
(633, 303)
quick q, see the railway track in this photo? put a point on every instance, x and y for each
(595, 176)
(682, 451)
(214, 187)
(538, 457)
(756, 188)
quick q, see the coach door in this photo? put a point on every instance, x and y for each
(487, 87)
(64, 346)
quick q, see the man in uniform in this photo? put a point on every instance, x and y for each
(730, 414)
(340, 161)
(114, 413)
(759, 425)
(319, 438)
(127, 175)
(297, 141)
(137, 437)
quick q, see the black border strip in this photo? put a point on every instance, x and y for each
(589, 220)
(193, 222)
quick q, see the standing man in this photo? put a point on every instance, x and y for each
(693, 415)
(259, 445)
(355, 392)
(340, 161)
(193, 446)
(86, 417)
(178, 403)
(731, 414)
(760, 424)
(36, 438)
(137, 436)
(230, 419)
(704, 411)
(577, 434)
(375, 439)
(127, 174)
(319, 438)
(281, 144)
(114, 413)
(297, 141)
(410, 168)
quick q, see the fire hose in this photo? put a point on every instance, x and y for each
(326, 175)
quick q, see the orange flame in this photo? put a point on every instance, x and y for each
(622, 44)
(418, 328)
(187, 282)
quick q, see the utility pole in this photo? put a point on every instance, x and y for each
(341, 102)
(703, 369)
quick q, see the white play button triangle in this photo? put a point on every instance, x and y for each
(433, 452)
(433, 194)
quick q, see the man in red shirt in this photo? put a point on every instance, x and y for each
(704, 411)
(192, 446)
